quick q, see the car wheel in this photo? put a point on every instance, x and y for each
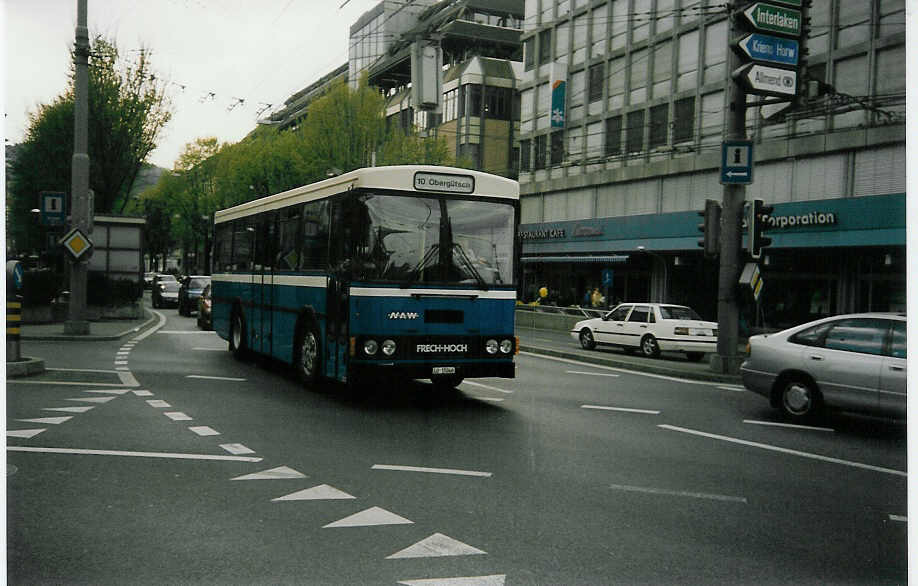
(799, 398)
(237, 336)
(446, 382)
(306, 354)
(650, 347)
(586, 339)
(694, 356)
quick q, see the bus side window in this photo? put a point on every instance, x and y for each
(315, 236)
(243, 234)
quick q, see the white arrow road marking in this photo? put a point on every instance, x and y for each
(228, 378)
(492, 580)
(697, 495)
(109, 392)
(68, 409)
(48, 420)
(237, 449)
(784, 450)
(790, 425)
(177, 416)
(592, 373)
(622, 409)
(23, 433)
(158, 403)
(273, 474)
(82, 452)
(203, 430)
(371, 516)
(323, 492)
(437, 545)
(489, 387)
(143, 393)
(93, 399)
(431, 470)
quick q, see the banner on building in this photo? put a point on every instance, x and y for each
(558, 94)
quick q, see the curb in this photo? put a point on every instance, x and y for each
(25, 367)
(90, 337)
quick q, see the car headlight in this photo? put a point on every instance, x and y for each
(506, 346)
(370, 347)
(491, 346)
(388, 347)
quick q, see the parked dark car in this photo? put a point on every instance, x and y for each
(148, 280)
(204, 305)
(191, 288)
(165, 291)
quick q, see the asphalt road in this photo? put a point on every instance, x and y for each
(163, 460)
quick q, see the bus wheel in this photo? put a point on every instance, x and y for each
(306, 354)
(446, 381)
(237, 335)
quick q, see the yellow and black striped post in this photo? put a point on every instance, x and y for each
(13, 322)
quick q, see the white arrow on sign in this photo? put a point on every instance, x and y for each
(737, 174)
(768, 80)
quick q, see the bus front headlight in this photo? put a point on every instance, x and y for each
(506, 346)
(491, 346)
(370, 347)
(388, 347)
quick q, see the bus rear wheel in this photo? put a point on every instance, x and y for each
(446, 382)
(237, 336)
(306, 354)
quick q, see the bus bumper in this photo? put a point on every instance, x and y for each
(365, 370)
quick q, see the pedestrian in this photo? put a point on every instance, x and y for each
(596, 298)
(585, 302)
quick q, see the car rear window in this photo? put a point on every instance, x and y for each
(677, 312)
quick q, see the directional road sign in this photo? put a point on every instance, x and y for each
(771, 49)
(771, 81)
(777, 19)
(736, 161)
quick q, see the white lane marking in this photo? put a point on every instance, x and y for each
(203, 430)
(682, 493)
(492, 399)
(790, 425)
(323, 492)
(123, 353)
(67, 409)
(431, 470)
(622, 409)
(48, 420)
(368, 517)
(120, 362)
(161, 321)
(489, 387)
(132, 454)
(49, 383)
(785, 450)
(143, 393)
(237, 449)
(80, 370)
(92, 399)
(593, 373)
(437, 545)
(23, 433)
(899, 518)
(110, 392)
(210, 349)
(279, 473)
(177, 416)
(128, 380)
(124, 368)
(227, 378)
(622, 370)
(492, 580)
(158, 404)
(732, 389)
(173, 332)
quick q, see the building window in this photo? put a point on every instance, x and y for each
(634, 133)
(659, 125)
(498, 102)
(540, 147)
(613, 136)
(525, 155)
(557, 147)
(451, 105)
(544, 47)
(529, 53)
(597, 75)
(683, 119)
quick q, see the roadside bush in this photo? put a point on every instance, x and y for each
(103, 291)
(40, 286)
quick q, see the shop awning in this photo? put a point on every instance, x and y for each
(587, 258)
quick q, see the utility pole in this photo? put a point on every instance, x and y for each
(79, 180)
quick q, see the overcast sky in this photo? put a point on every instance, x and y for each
(221, 51)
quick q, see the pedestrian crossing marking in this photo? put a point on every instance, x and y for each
(237, 449)
(281, 472)
(323, 492)
(158, 403)
(48, 420)
(68, 409)
(203, 430)
(492, 580)
(177, 416)
(437, 545)
(371, 516)
(23, 433)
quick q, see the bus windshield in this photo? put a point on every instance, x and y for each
(408, 239)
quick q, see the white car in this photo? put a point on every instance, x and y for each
(650, 328)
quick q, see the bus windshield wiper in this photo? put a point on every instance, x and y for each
(467, 262)
(431, 254)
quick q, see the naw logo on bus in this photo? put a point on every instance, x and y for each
(403, 315)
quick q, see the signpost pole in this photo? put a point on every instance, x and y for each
(79, 187)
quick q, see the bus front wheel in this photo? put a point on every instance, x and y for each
(307, 357)
(237, 335)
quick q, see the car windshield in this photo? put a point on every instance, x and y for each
(197, 283)
(165, 278)
(169, 286)
(678, 312)
(409, 239)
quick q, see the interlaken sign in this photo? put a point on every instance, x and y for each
(769, 79)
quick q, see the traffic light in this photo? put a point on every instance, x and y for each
(710, 227)
(757, 214)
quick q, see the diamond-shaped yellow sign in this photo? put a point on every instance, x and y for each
(76, 243)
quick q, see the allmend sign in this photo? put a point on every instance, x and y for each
(772, 81)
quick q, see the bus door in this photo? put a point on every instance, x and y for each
(263, 283)
(336, 328)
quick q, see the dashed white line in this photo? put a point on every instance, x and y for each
(177, 416)
(203, 430)
(226, 378)
(143, 393)
(158, 403)
(431, 470)
(236, 449)
(593, 373)
(622, 409)
(681, 493)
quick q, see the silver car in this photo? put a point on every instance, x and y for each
(852, 362)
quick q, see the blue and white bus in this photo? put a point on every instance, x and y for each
(386, 272)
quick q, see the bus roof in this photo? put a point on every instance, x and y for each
(431, 179)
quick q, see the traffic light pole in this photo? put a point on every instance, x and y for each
(727, 359)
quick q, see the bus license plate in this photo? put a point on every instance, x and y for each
(444, 370)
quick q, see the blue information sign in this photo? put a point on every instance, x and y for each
(736, 161)
(770, 49)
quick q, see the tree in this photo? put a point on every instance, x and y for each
(127, 113)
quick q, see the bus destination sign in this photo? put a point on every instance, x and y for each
(444, 182)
